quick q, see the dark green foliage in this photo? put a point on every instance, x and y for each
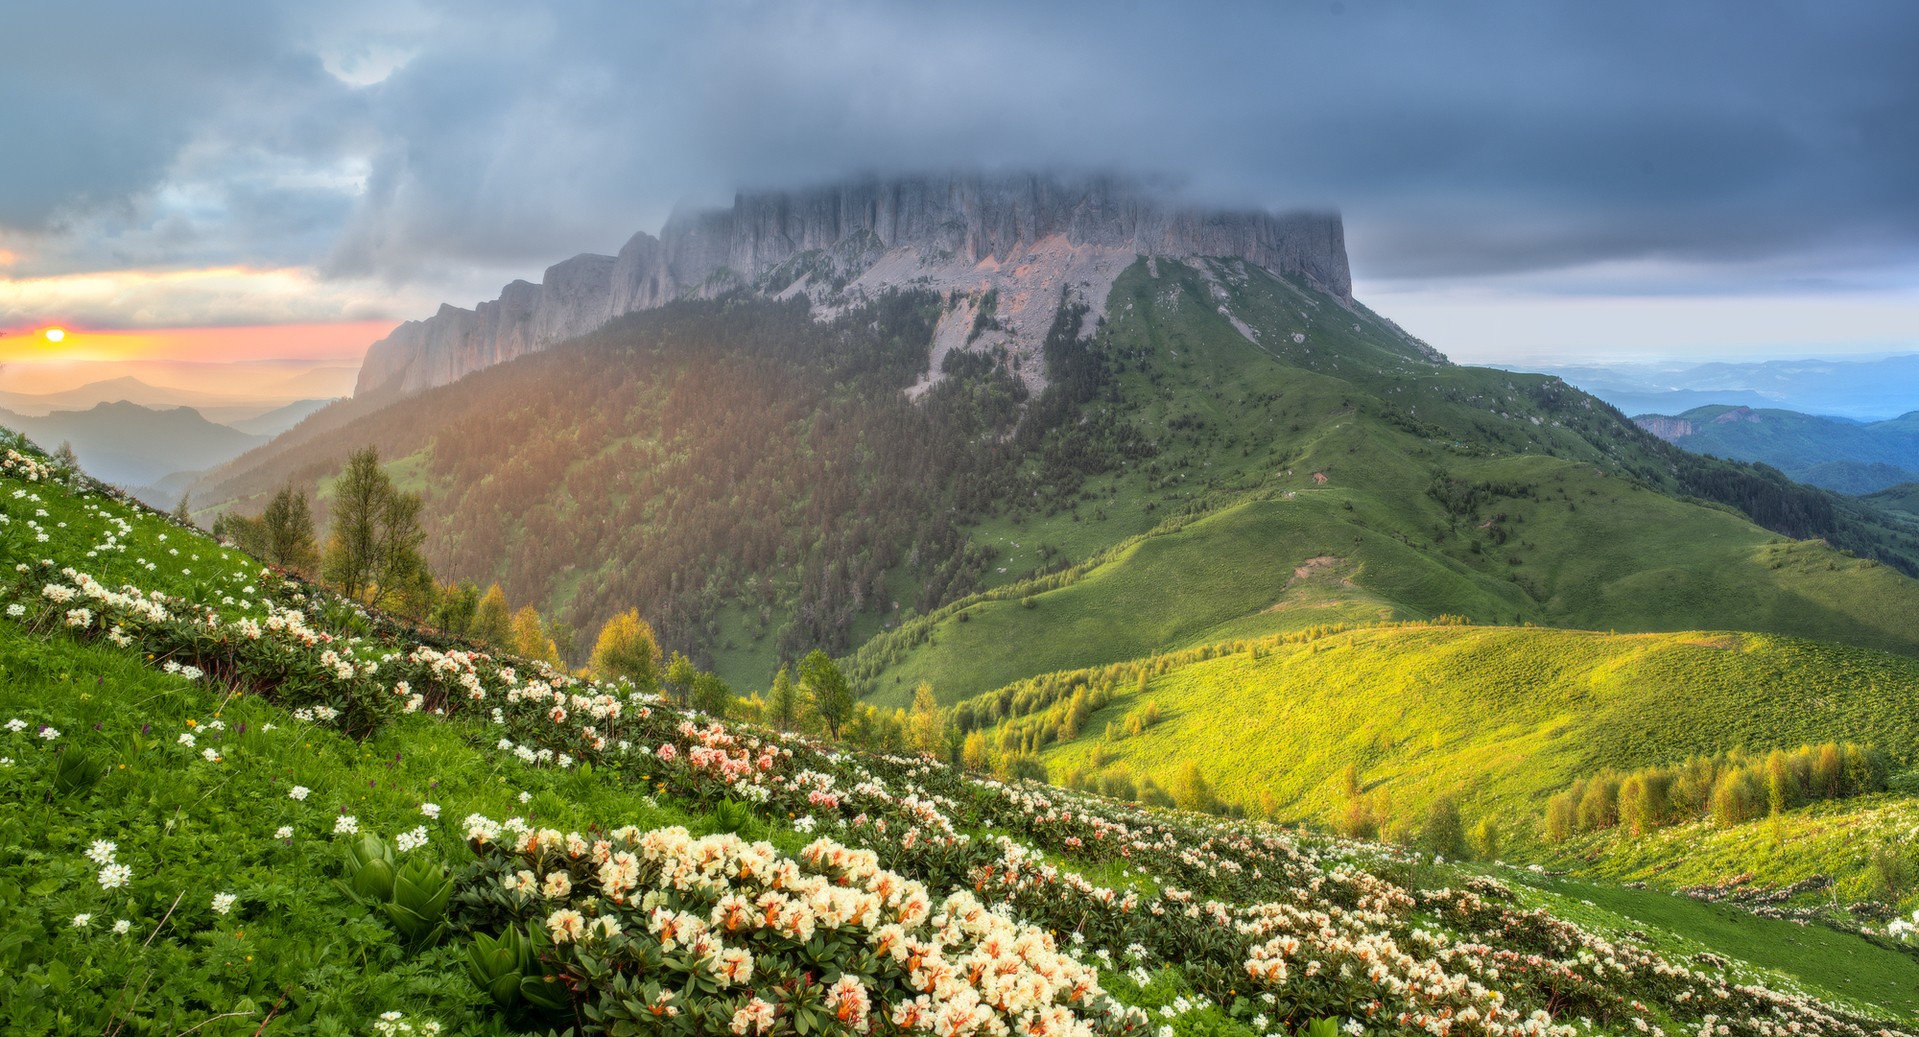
(710, 695)
(417, 908)
(508, 969)
(733, 453)
(77, 771)
(676, 680)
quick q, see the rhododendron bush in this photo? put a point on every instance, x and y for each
(659, 932)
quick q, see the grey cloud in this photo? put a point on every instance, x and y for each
(1462, 140)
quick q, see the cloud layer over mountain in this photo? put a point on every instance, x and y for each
(404, 153)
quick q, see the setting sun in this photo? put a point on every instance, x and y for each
(55, 334)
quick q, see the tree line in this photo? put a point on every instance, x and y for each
(1729, 789)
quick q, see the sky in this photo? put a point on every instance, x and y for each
(1527, 182)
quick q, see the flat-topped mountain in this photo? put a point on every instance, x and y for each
(1013, 245)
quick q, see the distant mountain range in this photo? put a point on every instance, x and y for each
(222, 391)
(1865, 390)
(150, 450)
(1847, 456)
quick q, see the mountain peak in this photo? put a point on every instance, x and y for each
(1027, 238)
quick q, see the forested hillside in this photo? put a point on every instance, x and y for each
(758, 483)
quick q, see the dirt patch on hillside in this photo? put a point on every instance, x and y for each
(1312, 567)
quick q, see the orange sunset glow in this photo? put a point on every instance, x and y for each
(267, 361)
(346, 341)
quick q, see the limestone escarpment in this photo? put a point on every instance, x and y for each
(1027, 238)
(1667, 428)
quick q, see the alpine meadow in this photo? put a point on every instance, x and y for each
(1059, 530)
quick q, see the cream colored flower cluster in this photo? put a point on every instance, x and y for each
(959, 968)
(128, 600)
(20, 466)
(1358, 946)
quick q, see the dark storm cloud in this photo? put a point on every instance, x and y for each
(1461, 140)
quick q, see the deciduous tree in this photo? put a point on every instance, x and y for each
(492, 620)
(286, 531)
(529, 637)
(926, 728)
(785, 704)
(626, 648)
(373, 552)
(832, 696)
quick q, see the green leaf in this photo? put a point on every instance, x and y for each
(545, 992)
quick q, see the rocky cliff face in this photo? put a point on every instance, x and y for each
(1026, 237)
(1669, 429)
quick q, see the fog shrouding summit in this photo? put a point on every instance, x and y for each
(218, 163)
(1029, 240)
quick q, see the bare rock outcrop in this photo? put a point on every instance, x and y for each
(1668, 428)
(1026, 238)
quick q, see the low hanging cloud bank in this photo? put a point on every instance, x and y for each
(399, 154)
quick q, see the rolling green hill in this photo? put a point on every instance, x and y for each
(1498, 718)
(1333, 491)
(1902, 498)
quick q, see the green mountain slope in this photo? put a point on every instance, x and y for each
(172, 762)
(1903, 498)
(758, 484)
(1499, 718)
(1386, 489)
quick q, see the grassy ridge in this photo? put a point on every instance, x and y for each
(1498, 717)
(1355, 553)
(1831, 963)
(1403, 489)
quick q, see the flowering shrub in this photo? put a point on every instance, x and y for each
(661, 932)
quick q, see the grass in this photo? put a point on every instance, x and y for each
(1834, 840)
(1826, 963)
(199, 781)
(1555, 532)
(1498, 717)
(190, 828)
